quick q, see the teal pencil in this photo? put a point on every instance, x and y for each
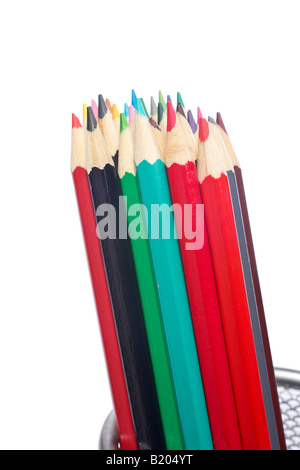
(176, 317)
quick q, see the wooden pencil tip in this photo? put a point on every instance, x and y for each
(75, 122)
(220, 122)
(115, 112)
(191, 121)
(123, 122)
(140, 108)
(131, 114)
(133, 98)
(203, 129)
(108, 105)
(160, 112)
(153, 107)
(171, 120)
(180, 110)
(199, 114)
(91, 120)
(179, 99)
(102, 108)
(161, 100)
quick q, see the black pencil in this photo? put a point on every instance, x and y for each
(108, 129)
(125, 296)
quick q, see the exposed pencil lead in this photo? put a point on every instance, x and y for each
(179, 99)
(126, 110)
(84, 112)
(144, 106)
(108, 105)
(180, 110)
(203, 129)
(199, 114)
(191, 121)
(160, 112)
(123, 122)
(91, 120)
(115, 111)
(94, 108)
(133, 98)
(220, 122)
(153, 107)
(75, 122)
(161, 100)
(102, 107)
(171, 121)
(210, 119)
(139, 107)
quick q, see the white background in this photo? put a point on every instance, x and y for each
(240, 58)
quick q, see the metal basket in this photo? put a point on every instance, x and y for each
(288, 385)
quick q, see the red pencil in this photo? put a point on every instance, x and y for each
(204, 305)
(255, 277)
(101, 292)
(232, 294)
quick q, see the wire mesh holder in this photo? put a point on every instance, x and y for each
(288, 386)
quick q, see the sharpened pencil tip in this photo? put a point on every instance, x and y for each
(199, 114)
(126, 110)
(115, 111)
(169, 99)
(75, 122)
(191, 121)
(139, 107)
(180, 110)
(91, 120)
(203, 129)
(123, 122)
(220, 122)
(160, 112)
(133, 98)
(171, 121)
(102, 107)
(179, 99)
(161, 100)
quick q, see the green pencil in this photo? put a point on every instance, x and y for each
(148, 290)
(154, 190)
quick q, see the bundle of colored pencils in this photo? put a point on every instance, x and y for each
(169, 246)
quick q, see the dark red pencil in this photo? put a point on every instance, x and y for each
(201, 288)
(255, 278)
(232, 294)
(100, 287)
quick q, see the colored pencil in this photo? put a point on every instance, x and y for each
(161, 141)
(84, 113)
(232, 293)
(126, 302)
(180, 101)
(162, 100)
(94, 108)
(133, 98)
(108, 104)
(108, 129)
(101, 292)
(126, 110)
(149, 295)
(193, 125)
(255, 277)
(144, 108)
(154, 190)
(202, 292)
(162, 120)
(190, 139)
(153, 109)
(116, 117)
(261, 358)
